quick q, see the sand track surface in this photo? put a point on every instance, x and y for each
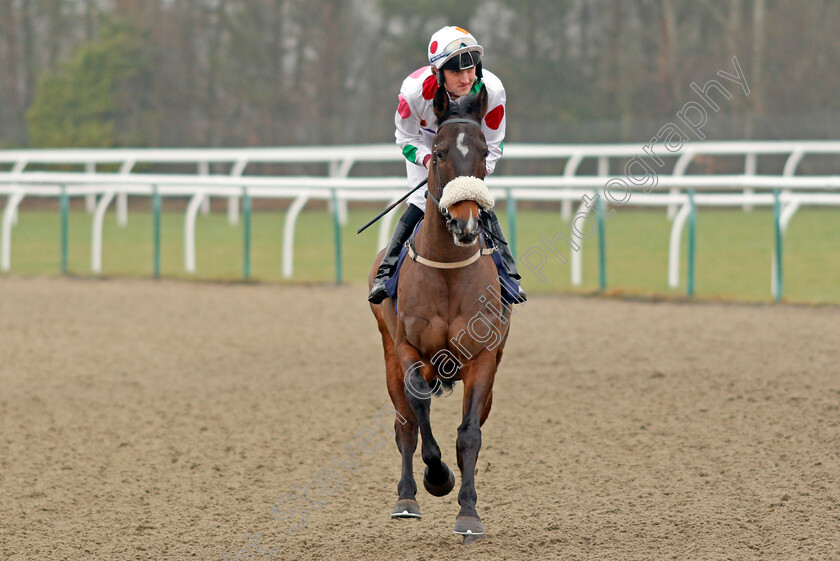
(162, 420)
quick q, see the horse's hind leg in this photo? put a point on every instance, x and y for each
(405, 433)
(438, 479)
(478, 397)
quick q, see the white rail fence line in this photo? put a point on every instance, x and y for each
(341, 159)
(798, 191)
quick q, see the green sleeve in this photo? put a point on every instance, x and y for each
(410, 153)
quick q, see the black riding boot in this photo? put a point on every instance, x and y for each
(402, 232)
(495, 228)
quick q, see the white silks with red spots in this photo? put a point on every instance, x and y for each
(416, 123)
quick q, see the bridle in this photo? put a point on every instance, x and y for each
(412, 253)
(443, 211)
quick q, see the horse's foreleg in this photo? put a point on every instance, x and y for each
(438, 478)
(478, 395)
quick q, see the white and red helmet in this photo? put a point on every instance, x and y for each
(450, 42)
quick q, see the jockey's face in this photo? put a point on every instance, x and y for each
(460, 82)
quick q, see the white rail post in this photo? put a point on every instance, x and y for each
(604, 171)
(122, 198)
(790, 166)
(679, 170)
(787, 212)
(96, 242)
(289, 234)
(19, 166)
(204, 169)
(340, 169)
(792, 163)
(233, 200)
(750, 166)
(577, 256)
(674, 246)
(9, 214)
(90, 198)
(569, 171)
(195, 203)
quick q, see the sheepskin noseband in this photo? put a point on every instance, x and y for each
(466, 188)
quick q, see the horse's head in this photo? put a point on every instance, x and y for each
(459, 157)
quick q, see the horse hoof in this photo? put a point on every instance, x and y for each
(439, 489)
(473, 538)
(406, 508)
(469, 527)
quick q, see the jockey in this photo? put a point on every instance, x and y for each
(455, 64)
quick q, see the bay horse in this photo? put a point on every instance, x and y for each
(451, 323)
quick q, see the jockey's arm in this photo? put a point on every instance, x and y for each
(407, 133)
(493, 126)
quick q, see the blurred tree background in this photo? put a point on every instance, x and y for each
(279, 72)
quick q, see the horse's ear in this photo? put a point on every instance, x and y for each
(441, 103)
(478, 106)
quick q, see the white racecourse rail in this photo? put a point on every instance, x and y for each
(749, 189)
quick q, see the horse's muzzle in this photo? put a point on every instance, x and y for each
(464, 232)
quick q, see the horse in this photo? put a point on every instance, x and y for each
(451, 323)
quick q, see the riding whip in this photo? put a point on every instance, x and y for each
(387, 210)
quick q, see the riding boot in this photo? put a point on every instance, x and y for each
(495, 228)
(402, 232)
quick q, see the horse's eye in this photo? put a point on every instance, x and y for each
(439, 155)
(486, 153)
